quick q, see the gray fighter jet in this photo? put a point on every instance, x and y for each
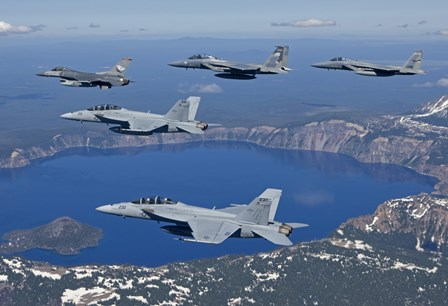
(180, 118)
(114, 77)
(211, 225)
(410, 67)
(276, 63)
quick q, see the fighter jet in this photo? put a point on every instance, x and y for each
(114, 77)
(276, 63)
(198, 224)
(410, 67)
(180, 118)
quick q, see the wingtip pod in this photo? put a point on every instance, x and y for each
(297, 225)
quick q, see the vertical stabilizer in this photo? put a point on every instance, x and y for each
(259, 211)
(414, 63)
(184, 110)
(120, 67)
(278, 58)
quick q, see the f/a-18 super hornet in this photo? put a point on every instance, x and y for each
(276, 63)
(205, 225)
(180, 118)
(113, 77)
(410, 67)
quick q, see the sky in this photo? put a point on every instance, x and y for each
(225, 19)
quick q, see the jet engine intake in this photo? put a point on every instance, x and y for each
(285, 229)
(202, 125)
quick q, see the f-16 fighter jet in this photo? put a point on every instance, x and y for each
(198, 224)
(410, 67)
(69, 77)
(276, 63)
(180, 118)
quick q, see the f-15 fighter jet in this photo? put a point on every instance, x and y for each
(410, 67)
(276, 63)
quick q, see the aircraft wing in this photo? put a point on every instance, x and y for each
(211, 231)
(359, 67)
(213, 67)
(233, 68)
(273, 237)
(111, 120)
(243, 68)
(146, 125)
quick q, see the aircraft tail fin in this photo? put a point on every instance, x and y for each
(262, 209)
(184, 110)
(120, 67)
(414, 63)
(278, 58)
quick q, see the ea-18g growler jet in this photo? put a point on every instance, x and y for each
(276, 63)
(180, 118)
(410, 67)
(69, 77)
(205, 225)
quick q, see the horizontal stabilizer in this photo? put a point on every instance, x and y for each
(274, 237)
(297, 225)
(189, 127)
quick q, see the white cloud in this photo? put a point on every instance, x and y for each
(423, 85)
(7, 28)
(442, 32)
(307, 23)
(442, 82)
(94, 25)
(199, 88)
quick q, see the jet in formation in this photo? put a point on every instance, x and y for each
(276, 63)
(180, 118)
(198, 224)
(410, 67)
(113, 77)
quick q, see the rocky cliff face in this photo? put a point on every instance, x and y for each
(404, 140)
(363, 263)
(422, 218)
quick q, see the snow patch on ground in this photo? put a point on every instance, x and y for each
(84, 296)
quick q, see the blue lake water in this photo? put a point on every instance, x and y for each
(320, 189)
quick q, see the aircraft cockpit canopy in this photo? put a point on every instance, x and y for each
(103, 107)
(338, 59)
(202, 56)
(154, 200)
(60, 68)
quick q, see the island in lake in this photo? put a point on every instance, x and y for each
(63, 235)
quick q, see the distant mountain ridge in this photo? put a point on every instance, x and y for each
(396, 139)
(371, 260)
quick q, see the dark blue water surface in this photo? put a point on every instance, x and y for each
(321, 189)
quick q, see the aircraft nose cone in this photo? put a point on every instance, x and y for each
(41, 74)
(67, 116)
(316, 65)
(104, 209)
(177, 64)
